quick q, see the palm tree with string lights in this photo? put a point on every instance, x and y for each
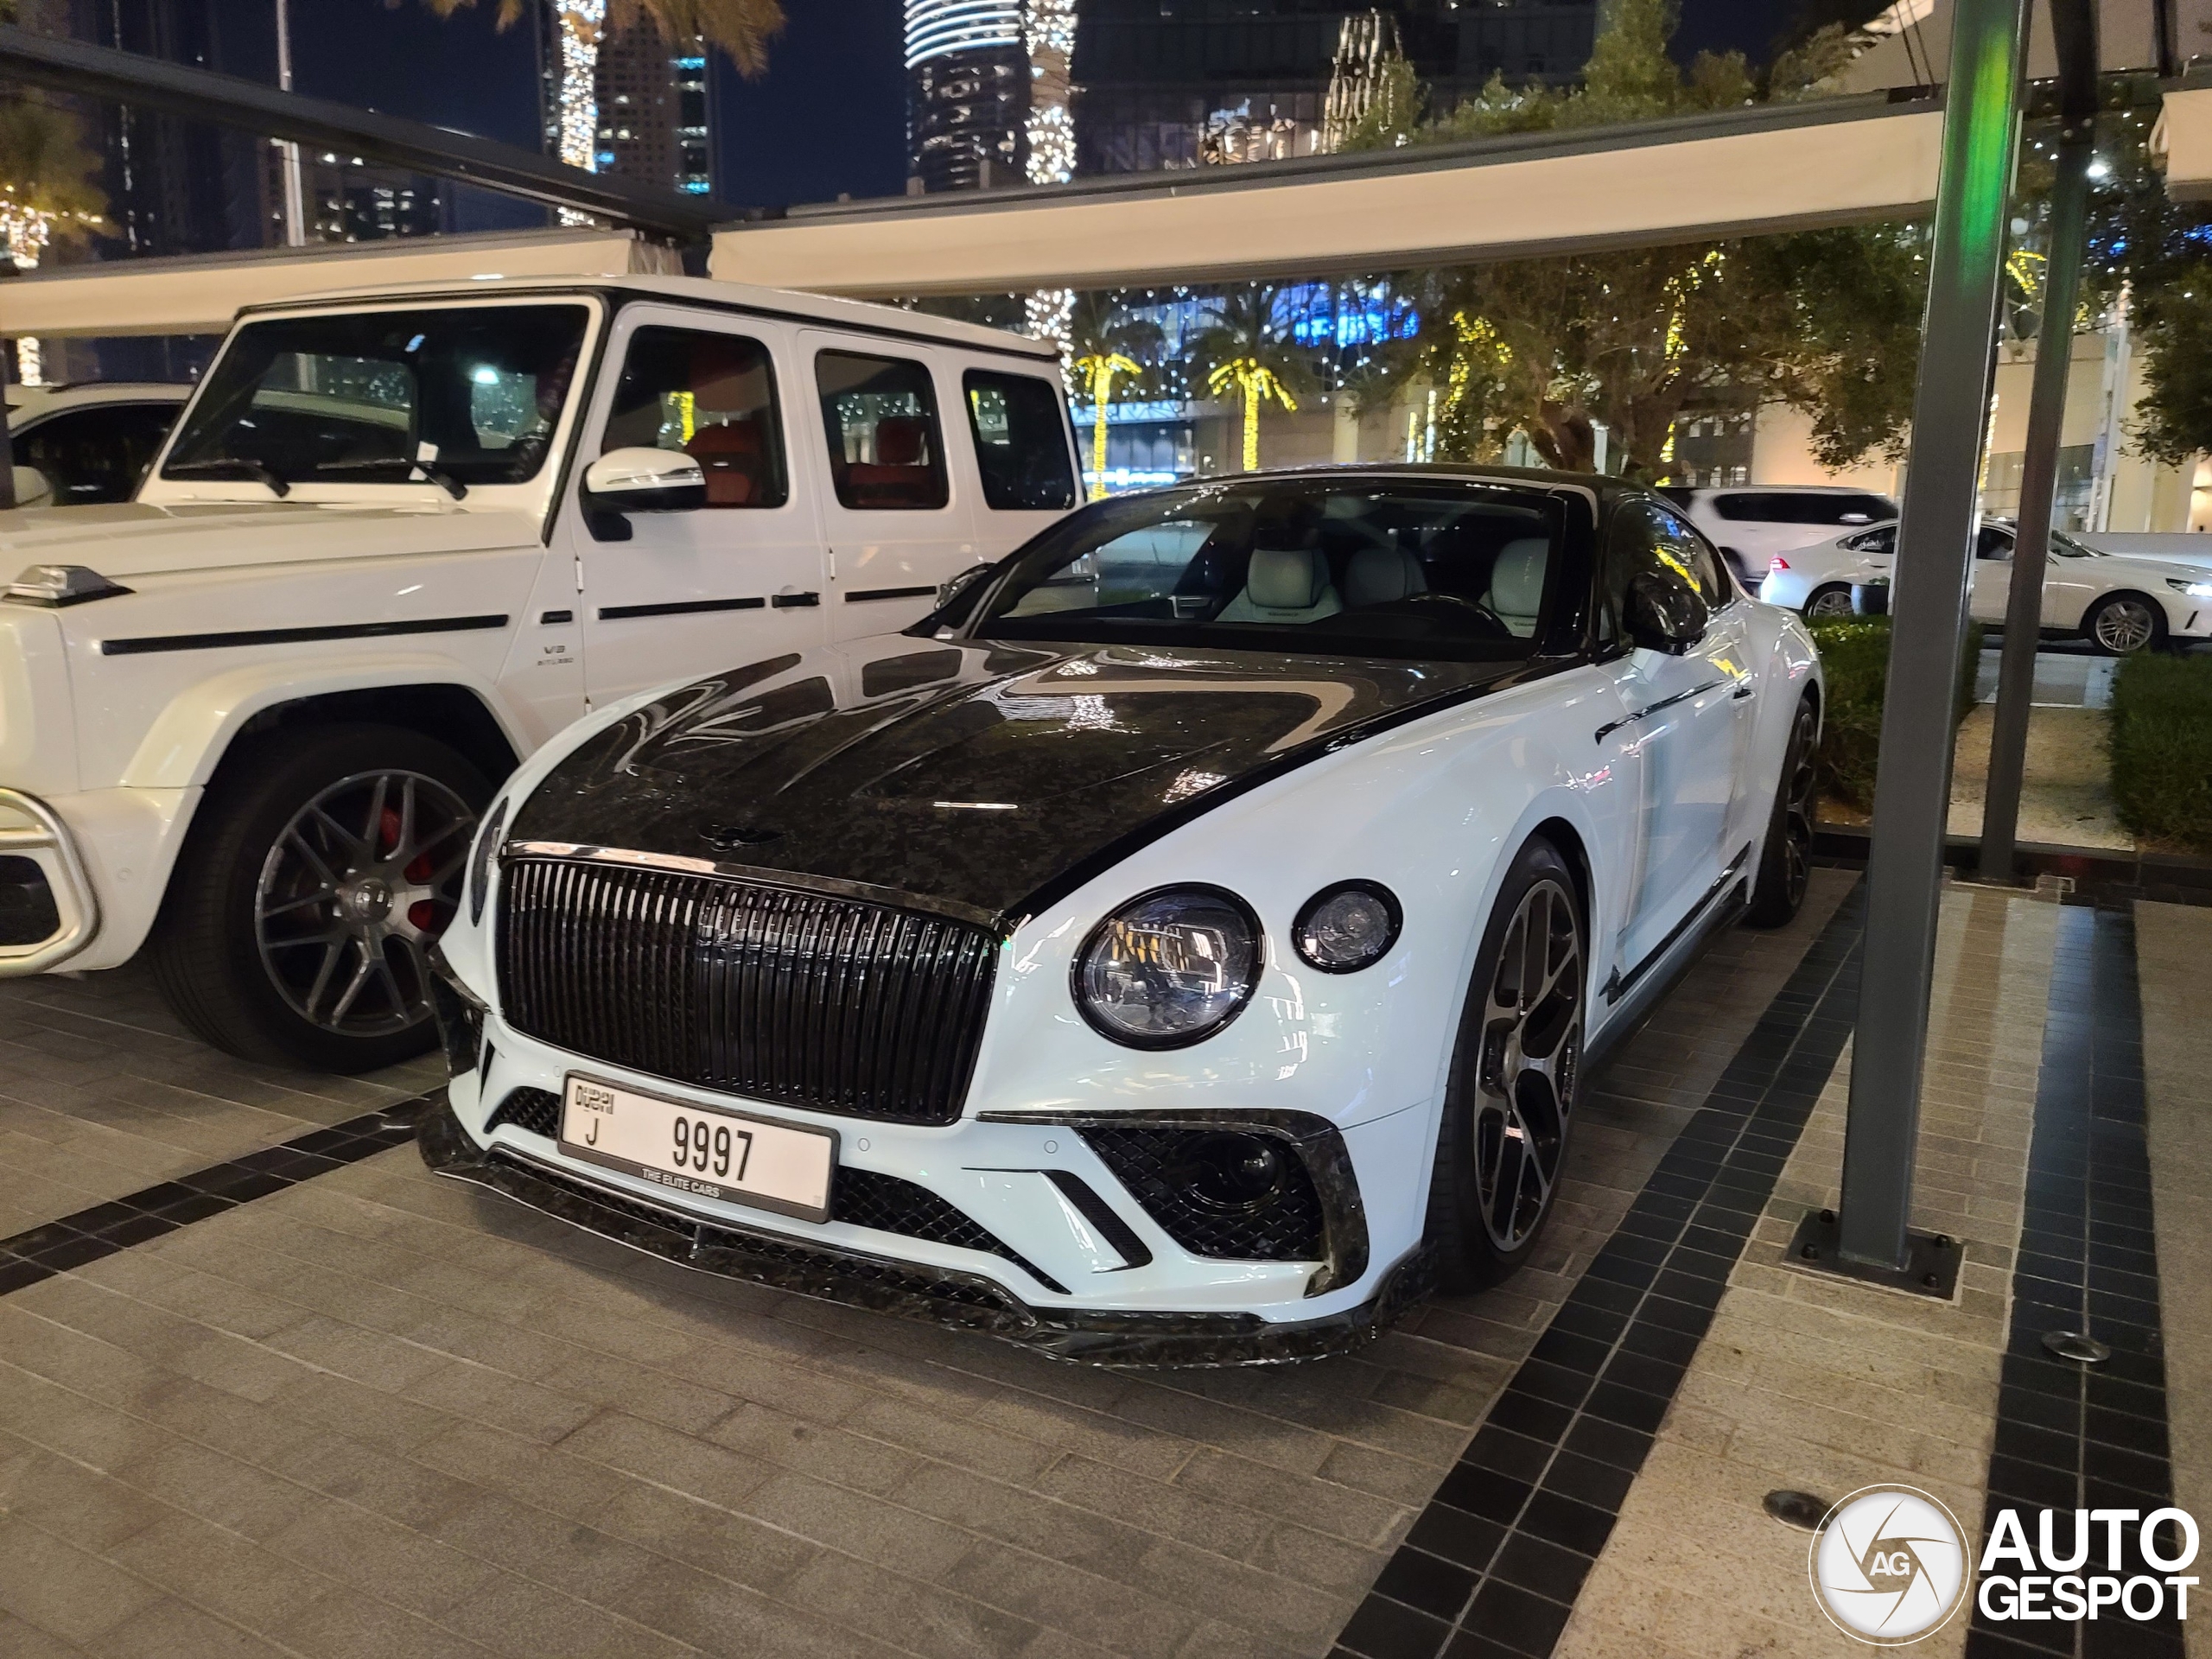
(1106, 345)
(740, 29)
(1242, 352)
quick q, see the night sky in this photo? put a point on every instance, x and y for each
(827, 117)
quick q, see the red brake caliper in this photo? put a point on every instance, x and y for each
(423, 912)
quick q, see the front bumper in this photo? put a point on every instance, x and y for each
(47, 909)
(910, 1290)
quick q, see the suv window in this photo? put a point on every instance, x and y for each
(1993, 542)
(476, 390)
(879, 415)
(1802, 507)
(712, 397)
(1021, 442)
(99, 453)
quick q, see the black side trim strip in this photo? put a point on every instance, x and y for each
(297, 636)
(104, 1229)
(1618, 986)
(552, 618)
(1172, 818)
(679, 608)
(1650, 709)
(1136, 1253)
(1509, 1538)
(795, 602)
(863, 595)
(2072, 1436)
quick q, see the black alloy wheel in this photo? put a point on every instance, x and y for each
(322, 866)
(1509, 1102)
(1786, 856)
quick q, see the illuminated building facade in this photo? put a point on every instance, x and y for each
(655, 117)
(968, 94)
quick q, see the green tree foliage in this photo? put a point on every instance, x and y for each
(2154, 255)
(1826, 320)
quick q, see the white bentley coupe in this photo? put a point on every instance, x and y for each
(1181, 947)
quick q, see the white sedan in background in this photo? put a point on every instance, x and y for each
(2119, 604)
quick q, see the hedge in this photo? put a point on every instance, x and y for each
(2162, 748)
(1855, 664)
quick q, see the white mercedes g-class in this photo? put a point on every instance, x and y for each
(398, 539)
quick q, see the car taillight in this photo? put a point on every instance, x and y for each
(1780, 563)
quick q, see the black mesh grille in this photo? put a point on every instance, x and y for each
(1155, 1162)
(862, 1198)
(538, 1111)
(865, 1197)
(830, 1003)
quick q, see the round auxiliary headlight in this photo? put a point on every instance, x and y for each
(1170, 968)
(1347, 927)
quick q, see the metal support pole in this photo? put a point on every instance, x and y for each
(296, 210)
(1927, 615)
(2073, 32)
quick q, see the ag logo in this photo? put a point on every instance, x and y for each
(1888, 1565)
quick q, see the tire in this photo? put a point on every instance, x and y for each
(1515, 1066)
(1829, 599)
(2120, 625)
(1786, 855)
(322, 862)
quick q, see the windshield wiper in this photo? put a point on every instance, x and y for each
(251, 471)
(446, 481)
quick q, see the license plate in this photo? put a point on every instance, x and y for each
(700, 1151)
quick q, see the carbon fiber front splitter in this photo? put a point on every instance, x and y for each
(942, 1296)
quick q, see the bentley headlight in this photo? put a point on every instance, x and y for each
(1347, 927)
(1170, 968)
(479, 861)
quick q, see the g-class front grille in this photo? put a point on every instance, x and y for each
(835, 1004)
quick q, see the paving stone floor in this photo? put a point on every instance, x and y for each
(376, 1415)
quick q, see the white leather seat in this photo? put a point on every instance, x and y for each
(1284, 584)
(1382, 576)
(1516, 583)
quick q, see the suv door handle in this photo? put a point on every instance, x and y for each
(787, 602)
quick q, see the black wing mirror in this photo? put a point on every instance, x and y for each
(1662, 615)
(956, 599)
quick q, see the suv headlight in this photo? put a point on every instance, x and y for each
(53, 585)
(1170, 968)
(1347, 927)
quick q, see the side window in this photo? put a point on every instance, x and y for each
(96, 455)
(1883, 541)
(713, 396)
(1646, 540)
(1021, 442)
(1993, 542)
(1707, 574)
(879, 414)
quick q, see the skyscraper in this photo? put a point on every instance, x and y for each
(655, 110)
(966, 93)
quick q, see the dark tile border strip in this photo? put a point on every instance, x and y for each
(104, 1229)
(1491, 1568)
(2069, 1436)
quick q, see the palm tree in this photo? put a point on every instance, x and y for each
(1242, 352)
(1107, 345)
(741, 29)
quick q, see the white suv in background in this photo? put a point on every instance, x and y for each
(396, 541)
(1750, 524)
(89, 443)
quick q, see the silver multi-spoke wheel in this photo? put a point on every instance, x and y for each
(1827, 603)
(1531, 1038)
(356, 886)
(2124, 625)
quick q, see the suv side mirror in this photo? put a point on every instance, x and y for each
(1667, 616)
(638, 480)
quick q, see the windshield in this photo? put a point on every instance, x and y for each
(472, 393)
(1379, 569)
